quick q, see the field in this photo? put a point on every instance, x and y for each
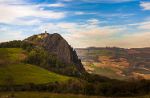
(52, 95)
(15, 72)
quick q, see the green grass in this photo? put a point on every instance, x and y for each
(52, 95)
(12, 71)
(11, 55)
(26, 73)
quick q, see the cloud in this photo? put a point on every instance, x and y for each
(108, 1)
(52, 5)
(8, 34)
(10, 13)
(144, 25)
(18, 16)
(78, 34)
(93, 21)
(85, 13)
(145, 5)
(12, 2)
(136, 40)
(79, 13)
(66, 0)
(101, 1)
(91, 34)
(26, 22)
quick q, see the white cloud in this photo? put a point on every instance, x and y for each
(108, 1)
(102, 1)
(84, 13)
(145, 5)
(9, 13)
(93, 21)
(144, 25)
(8, 34)
(78, 34)
(27, 22)
(87, 34)
(79, 13)
(12, 1)
(66, 0)
(140, 39)
(52, 5)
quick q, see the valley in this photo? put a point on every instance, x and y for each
(117, 63)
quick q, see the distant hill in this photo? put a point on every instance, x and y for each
(127, 64)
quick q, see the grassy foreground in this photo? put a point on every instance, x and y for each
(52, 95)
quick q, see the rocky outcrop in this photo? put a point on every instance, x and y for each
(55, 43)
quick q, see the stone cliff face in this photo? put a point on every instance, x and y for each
(55, 43)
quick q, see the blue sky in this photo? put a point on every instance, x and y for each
(83, 23)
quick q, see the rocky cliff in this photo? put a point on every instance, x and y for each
(55, 43)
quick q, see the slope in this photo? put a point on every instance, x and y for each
(13, 71)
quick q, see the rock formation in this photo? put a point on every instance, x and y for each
(55, 43)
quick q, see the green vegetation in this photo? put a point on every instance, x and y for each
(16, 72)
(11, 55)
(29, 69)
(26, 73)
(44, 59)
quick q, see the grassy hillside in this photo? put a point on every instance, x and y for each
(12, 71)
(25, 73)
(11, 55)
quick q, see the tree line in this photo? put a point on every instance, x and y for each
(80, 86)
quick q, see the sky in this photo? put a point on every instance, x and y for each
(83, 23)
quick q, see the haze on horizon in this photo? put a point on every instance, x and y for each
(83, 23)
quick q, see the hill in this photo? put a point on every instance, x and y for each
(13, 71)
(49, 51)
(28, 65)
(56, 44)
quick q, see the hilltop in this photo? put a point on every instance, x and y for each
(56, 44)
